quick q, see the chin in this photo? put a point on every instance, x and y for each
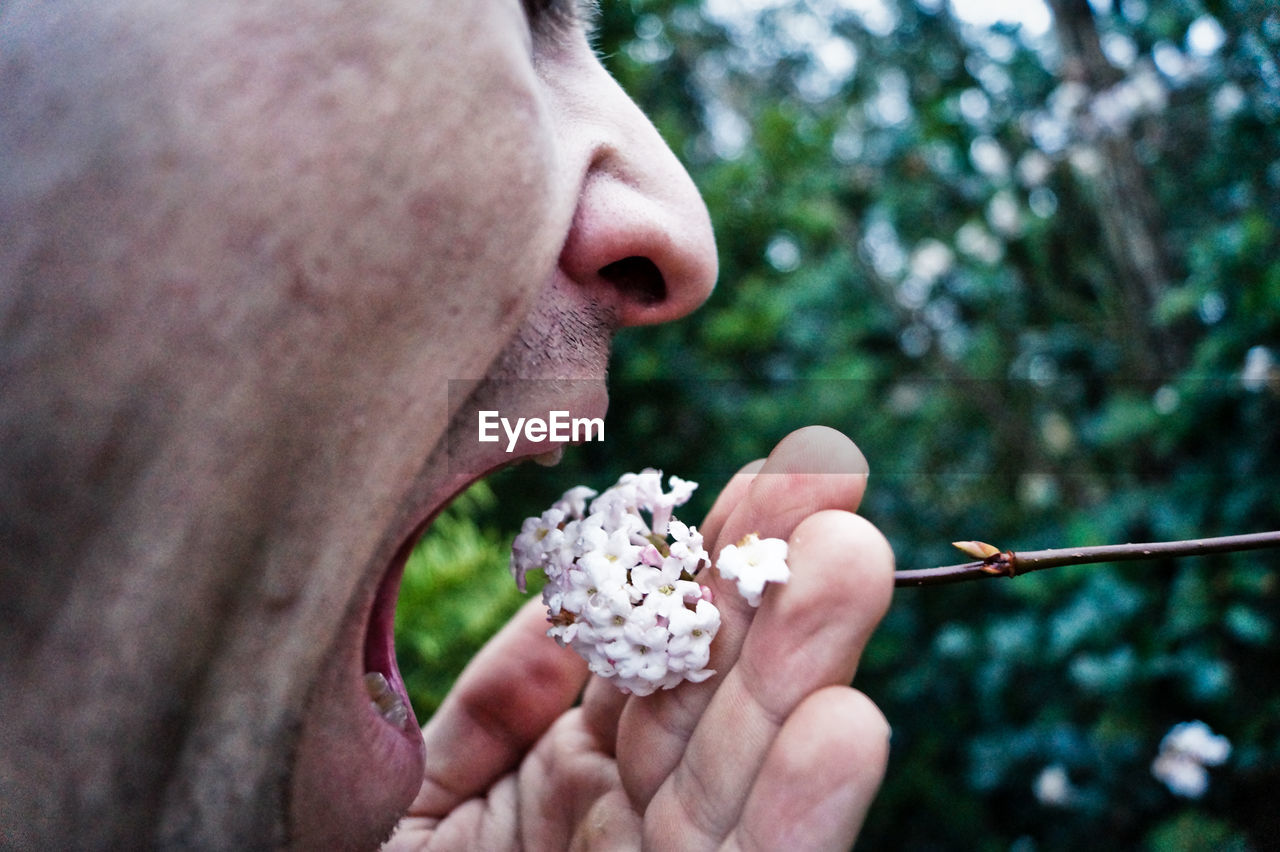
(358, 762)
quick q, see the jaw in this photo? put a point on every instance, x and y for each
(359, 756)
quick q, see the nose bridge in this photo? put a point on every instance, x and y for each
(640, 228)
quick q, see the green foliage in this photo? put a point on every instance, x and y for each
(1193, 832)
(455, 593)
(1040, 335)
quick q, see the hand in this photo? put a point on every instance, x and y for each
(775, 751)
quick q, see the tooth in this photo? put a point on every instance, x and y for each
(550, 458)
(384, 700)
(397, 714)
(375, 683)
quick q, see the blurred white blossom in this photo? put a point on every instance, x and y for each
(1053, 786)
(1260, 369)
(1076, 118)
(1184, 753)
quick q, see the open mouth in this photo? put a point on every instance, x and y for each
(360, 754)
(388, 697)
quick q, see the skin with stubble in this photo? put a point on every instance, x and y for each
(246, 252)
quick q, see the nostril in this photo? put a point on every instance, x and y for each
(637, 279)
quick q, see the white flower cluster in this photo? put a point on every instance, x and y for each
(1184, 753)
(622, 591)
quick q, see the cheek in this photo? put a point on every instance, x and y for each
(385, 183)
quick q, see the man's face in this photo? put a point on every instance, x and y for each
(560, 215)
(292, 244)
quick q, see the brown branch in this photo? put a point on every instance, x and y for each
(1007, 563)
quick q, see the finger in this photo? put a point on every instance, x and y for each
(771, 501)
(730, 496)
(819, 776)
(505, 699)
(808, 635)
(825, 470)
(602, 707)
(811, 469)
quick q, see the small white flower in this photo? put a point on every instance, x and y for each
(690, 592)
(648, 579)
(663, 504)
(607, 610)
(753, 562)
(1184, 753)
(538, 539)
(1197, 740)
(615, 548)
(681, 490)
(686, 544)
(574, 501)
(691, 634)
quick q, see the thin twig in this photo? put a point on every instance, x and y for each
(1008, 563)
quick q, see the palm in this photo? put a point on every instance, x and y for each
(774, 751)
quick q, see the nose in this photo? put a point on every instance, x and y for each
(641, 237)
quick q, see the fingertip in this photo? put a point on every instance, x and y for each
(821, 774)
(860, 733)
(870, 734)
(848, 557)
(811, 469)
(853, 725)
(817, 449)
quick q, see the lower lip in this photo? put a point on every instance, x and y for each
(356, 772)
(398, 746)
